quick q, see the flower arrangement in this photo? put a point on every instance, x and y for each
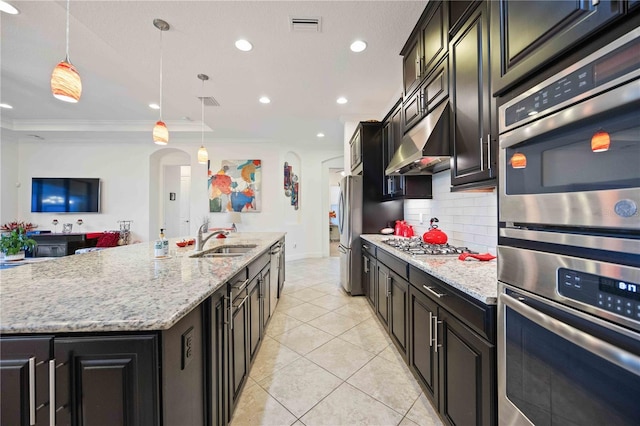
(10, 226)
(15, 241)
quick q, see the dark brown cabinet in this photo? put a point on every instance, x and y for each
(422, 352)
(473, 128)
(432, 91)
(392, 186)
(453, 356)
(217, 383)
(392, 298)
(382, 293)
(369, 273)
(238, 341)
(355, 148)
(426, 46)
(467, 374)
(529, 34)
(398, 307)
(107, 380)
(255, 316)
(26, 366)
(58, 245)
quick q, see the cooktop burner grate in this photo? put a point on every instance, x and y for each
(415, 247)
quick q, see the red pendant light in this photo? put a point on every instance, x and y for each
(518, 160)
(600, 141)
(160, 131)
(65, 79)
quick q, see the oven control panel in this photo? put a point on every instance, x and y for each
(620, 297)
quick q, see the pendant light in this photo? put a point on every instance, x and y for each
(160, 131)
(65, 80)
(600, 141)
(203, 155)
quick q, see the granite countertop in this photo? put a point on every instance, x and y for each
(118, 289)
(477, 279)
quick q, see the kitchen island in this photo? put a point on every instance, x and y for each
(120, 335)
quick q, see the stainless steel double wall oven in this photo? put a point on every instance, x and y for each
(569, 245)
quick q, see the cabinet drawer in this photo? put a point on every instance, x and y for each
(257, 265)
(369, 248)
(480, 317)
(396, 265)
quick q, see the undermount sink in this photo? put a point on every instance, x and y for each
(226, 251)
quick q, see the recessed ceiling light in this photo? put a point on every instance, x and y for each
(7, 8)
(6, 106)
(342, 100)
(154, 106)
(244, 45)
(320, 135)
(358, 46)
(264, 100)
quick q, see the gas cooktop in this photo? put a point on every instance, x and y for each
(415, 246)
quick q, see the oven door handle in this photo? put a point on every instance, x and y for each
(605, 350)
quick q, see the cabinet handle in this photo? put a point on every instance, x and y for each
(244, 299)
(364, 246)
(417, 68)
(230, 313)
(32, 391)
(432, 291)
(488, 150)
(366, 264)
(241, 286)
(435, 333)
(421, 106)
(388, 286)
(481, 154)
(430, 329)
(52, 392)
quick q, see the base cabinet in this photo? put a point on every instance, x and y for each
(466, 374)
(392, 303)
(422, 352)
(106, 380)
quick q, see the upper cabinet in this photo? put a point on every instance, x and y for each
(392, 186)
(473, 121)
(531, 33)
(356, 152)
(426, 46)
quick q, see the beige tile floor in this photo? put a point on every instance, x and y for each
(326, 360)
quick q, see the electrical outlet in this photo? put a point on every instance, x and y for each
(187, 347)
(421, 218)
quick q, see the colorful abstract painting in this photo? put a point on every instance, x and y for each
(235, 187)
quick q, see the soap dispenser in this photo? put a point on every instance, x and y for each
(165, 243)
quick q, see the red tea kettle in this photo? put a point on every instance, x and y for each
(434, 235)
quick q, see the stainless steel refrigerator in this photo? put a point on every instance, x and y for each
(360, 212)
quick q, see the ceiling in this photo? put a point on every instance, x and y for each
(116, 49)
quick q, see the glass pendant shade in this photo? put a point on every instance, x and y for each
(160, 133)
(519, 161)
(203, 155)
(65, 82)
(600, 141)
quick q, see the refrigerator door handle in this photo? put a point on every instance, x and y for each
(342, 249)
(341, 211)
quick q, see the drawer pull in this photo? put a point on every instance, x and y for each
(432, 291)
(52, 392)
(32, 391)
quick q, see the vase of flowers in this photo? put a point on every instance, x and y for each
(14, 243)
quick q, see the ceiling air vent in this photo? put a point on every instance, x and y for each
(209, 101)
(305, 25)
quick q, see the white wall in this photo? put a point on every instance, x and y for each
(468, 218)
(9, 159)
(131, 182)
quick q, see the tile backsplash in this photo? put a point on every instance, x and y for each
(468, 218)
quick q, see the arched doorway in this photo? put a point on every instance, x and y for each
(169, 192)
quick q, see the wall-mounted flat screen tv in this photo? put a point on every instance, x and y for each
(65, 195)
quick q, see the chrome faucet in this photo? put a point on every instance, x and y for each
(200, 242)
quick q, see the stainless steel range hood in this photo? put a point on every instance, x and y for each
(425, 149)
